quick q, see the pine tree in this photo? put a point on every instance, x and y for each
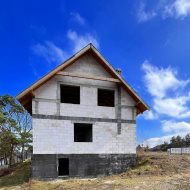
(15, 127)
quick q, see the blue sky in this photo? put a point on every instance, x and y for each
(148, 39)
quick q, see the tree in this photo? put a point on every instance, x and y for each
(15, 127)
(139, 147)
(177, 142)
(8, 143)
(164, 146)
(8, 127)
(23, 120)
(187, 140)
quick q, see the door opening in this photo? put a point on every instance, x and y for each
(63, 168)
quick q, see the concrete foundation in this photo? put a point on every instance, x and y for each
(82, 165)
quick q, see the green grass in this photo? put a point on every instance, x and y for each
(21, 174)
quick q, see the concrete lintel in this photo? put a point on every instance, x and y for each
(86, 119)
(86, 85)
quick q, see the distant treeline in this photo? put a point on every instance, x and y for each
(175, 142)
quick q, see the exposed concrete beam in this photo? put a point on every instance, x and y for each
(81, 119)
(88, 76)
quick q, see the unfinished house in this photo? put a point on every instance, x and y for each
(84, 119)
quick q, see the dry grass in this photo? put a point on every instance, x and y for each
(154, 171)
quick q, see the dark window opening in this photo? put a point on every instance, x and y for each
(63, 168)
(82, 132)
(70, 94)
(106, 98)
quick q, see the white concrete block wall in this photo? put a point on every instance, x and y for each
(88, 106)
(48, 90)
(88, 100)
(47, 108)
(87, 111)
(88, 96)
(127, 113)
(126, 99)
(57, 136)
(33, 107)
(88, 65)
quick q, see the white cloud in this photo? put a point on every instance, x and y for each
(164, 9)
(173, 107)
(172, 128)
(158, 80)
(54, 54)
(167, 91)
(171, 98)
(143, 15)
(152, 142)
(182, 7)
(150, 115)
(178, 9)
(175, 127)
(77, 17)
(50, 52)
(79, 41)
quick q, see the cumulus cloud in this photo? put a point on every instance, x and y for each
(77, 18)
(175, 127)
(178, 9)
(173, 107)
(79, 41)
(164, 85)
(158, 80)
(49, 51)
(165, 9)
(170, 99)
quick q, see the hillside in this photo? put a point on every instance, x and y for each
(154, 171)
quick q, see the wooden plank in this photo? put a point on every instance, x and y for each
(87, 76)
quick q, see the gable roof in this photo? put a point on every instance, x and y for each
(25, 97)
